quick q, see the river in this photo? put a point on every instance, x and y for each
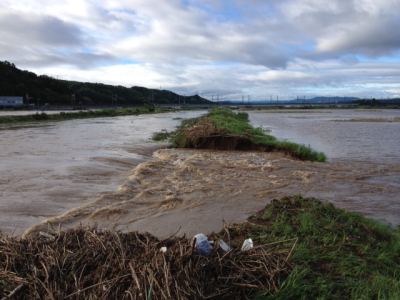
(107, 172)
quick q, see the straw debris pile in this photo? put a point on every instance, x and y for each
(90, 264)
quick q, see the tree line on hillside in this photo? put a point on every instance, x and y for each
(46, 89)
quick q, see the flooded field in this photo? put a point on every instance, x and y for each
(105, 172)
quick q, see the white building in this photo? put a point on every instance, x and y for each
(11, 101)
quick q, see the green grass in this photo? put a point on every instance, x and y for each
(161, 136)
(237, 124)
(339, 254)
(372, 120)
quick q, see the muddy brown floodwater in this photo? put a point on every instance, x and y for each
(110, 177)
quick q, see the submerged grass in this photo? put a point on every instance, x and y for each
(372, 120)
(303, 249)
(221, 128)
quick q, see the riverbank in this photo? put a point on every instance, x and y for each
(223, 129)
(303, 249)
(12, 120)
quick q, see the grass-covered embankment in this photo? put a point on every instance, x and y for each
(303, 249)
(339, 254)
(372, 120)
(223, 129)
(43, 117)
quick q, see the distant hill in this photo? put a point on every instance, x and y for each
(46, 89)
(319, 99)
(324, 99)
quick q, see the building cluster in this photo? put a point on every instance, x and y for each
(11, 101)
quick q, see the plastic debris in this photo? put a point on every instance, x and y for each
(247, 245)
(202, 245)
(224, 246)
(163, 249)
(49, 236)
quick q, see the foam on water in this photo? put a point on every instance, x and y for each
(190, 191)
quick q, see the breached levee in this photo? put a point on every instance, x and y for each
(190, 190)
(186, 191)
(297, 244)
(222, 129)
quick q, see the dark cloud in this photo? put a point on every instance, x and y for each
(342, 28)
(375, 39)
(47, 40)
(78, 60)
(35, 30)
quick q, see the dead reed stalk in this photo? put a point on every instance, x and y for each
(88, 264)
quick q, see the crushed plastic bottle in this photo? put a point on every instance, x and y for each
(202, 245)
(224, 246)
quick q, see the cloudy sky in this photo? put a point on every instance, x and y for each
(231, 48)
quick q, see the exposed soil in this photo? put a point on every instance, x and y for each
(205, 135)
(228, 143)
(235, 143)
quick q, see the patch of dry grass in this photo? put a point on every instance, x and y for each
(88, 264)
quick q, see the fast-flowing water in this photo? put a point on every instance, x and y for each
(105, 172)
(48, 169)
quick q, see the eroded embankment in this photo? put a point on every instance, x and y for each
(205, 134)
(222, 129)
(238, 143)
